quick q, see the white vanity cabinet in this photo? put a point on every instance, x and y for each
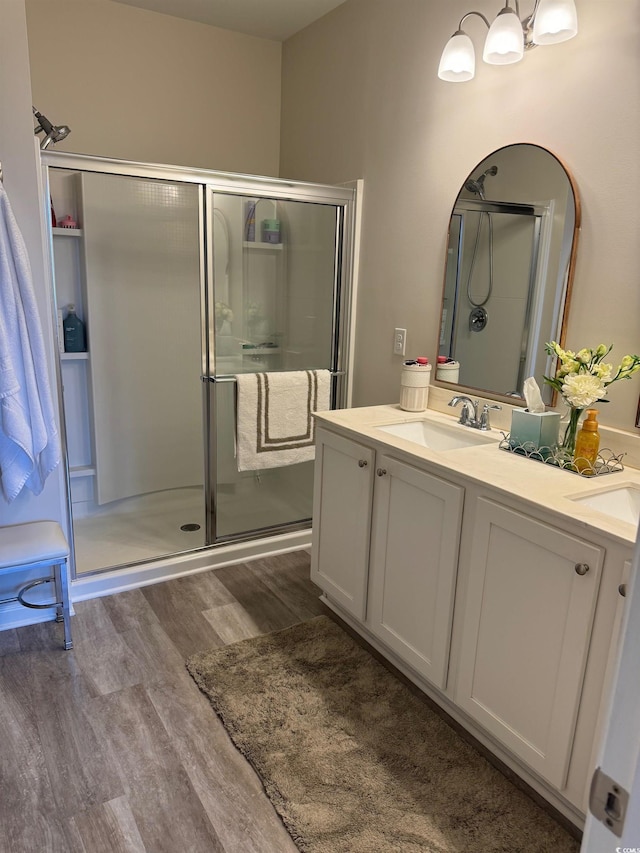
(343, 491)
(526, 627)
(386, 548)
(500, 607)
(413, 565)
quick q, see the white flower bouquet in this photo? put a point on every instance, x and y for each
(582, 379)
(224, 317)
(223, 312)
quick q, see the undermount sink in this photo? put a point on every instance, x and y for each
(438, 436)
(621, 502)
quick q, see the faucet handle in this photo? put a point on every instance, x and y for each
(484, 417)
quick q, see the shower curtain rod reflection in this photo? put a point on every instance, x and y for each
(232, 378)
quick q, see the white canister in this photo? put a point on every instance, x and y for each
(448, 372)
(414, 387)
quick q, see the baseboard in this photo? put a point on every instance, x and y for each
(133, 577)
(15, 615)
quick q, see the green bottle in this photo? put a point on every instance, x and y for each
(75, 339)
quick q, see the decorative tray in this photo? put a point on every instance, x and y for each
(607, 462)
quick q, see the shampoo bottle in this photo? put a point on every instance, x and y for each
(74, 334)
(587, 444)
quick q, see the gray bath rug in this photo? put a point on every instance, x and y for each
(353, 761)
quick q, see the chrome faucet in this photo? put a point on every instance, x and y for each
(469, 414)
(469, 406)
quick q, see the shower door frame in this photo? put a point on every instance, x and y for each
(266, 189)
(231, 183)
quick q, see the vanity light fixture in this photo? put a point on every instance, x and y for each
(551, 22)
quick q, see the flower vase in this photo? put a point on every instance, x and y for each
(568, 446)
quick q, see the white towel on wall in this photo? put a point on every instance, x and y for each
(274, 424)
(29, 439)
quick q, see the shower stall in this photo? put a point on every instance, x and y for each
(493, 294)
(184, 279)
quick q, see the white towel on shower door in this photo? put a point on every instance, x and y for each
(273, 423)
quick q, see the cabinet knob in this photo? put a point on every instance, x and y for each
(381, 472)
(622, 589)
(581, 568)
(362, 463)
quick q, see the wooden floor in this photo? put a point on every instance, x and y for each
(111, 747)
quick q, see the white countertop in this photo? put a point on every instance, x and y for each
(535, 483)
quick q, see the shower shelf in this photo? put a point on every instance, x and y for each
(67, 232)
(270, 247)
(81, 471)
(258, 350)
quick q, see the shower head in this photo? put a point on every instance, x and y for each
(52, 132)
(477, 186)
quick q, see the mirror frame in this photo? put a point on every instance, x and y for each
(494, 395)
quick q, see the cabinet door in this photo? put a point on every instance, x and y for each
(343, 486)
(527, 623)
(413, 564)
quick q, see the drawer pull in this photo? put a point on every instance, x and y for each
(362, 463)
(581, 568)
(622, 589)
(381, 472)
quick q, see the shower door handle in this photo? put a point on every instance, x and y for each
(232, 378)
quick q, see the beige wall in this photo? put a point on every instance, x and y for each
(137, 85)
(21, 182)
(361, 98)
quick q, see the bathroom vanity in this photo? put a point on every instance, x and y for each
(488, 579)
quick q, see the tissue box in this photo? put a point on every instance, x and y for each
(532, 430)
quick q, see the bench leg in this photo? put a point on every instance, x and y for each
(64, 608)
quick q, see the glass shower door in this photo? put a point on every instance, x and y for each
(186, 279)
(275, 270)
(133, 402)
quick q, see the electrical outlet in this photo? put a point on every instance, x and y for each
(399, 341)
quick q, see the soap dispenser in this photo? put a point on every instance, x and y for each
(587, 444)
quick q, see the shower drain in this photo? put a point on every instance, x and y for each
(189, 527)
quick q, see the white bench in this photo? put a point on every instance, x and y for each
(39, 545)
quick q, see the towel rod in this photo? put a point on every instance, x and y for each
(231, 377)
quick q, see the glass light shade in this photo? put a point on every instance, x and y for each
(555, 21)
(505, 39)
(458, 60)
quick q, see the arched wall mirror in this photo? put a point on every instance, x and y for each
(510, 260)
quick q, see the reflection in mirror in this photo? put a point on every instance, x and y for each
(221, 253)
(510, 258)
